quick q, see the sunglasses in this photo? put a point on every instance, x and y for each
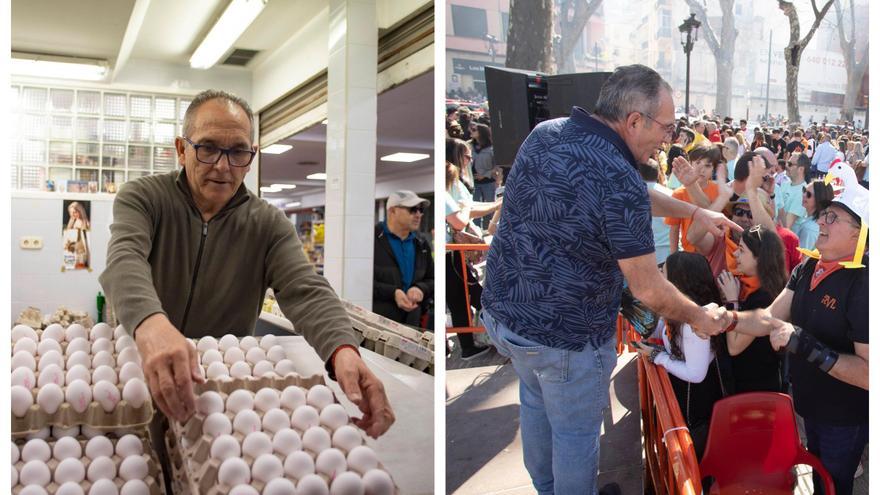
(807, 193)
(742, 212)
(414, 209)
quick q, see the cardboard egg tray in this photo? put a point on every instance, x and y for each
(153, 479)
(254, 383)
(193, 469)
(393, 340)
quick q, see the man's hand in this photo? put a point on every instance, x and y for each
(415, 295)
(365, 390)
(757, 171)
(781, 334)
(685, 172)
(714, 222)
(170, 366)
(403, 302)
(713, 321)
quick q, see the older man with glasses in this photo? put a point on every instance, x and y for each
(403, 268)
(790, 210)
(193, 251)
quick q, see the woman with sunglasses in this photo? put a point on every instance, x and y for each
(815, 197)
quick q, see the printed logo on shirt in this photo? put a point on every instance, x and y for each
(829, 302)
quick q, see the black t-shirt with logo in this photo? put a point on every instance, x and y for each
(756, 368)
(836, 313)
(794, 146)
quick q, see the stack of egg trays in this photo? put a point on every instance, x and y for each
(193, 470)
(392, 339)
(124, 415)
(154, 479)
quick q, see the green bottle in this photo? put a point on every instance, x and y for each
(100, 307)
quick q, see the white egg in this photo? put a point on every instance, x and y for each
(362, 459)
(378, 482)
(79, 395)
(217, 370)
(293, 397)
(23, 331)
(50, 397)
(233, 355)
(246, 421)
(16, 453)
(240, 369)
(312, 484)
(53, 332)
(275, 420)
(129, 445)
(13, 473)
(264, 368)
(51, 374)
(24, 359)
(105, 373)
(101, 468)
(267, 398)
(77, 345)
(207, 343)
(135, 393)
(276, 353)
(42, 434)
(347, 484)
(346, 438)
(75, 331)
(319, 396)
(67, 447)
(70, 469)
(35, 473)
(254, 355)
(239, 400)
(103, 358)
(248, 342)
(268, 341)
(135, 487)
(227, 342)
(217, 424)
(99, 446)
(104, 487)
(134, 467)
(129, 355)
(211, 356)
(209, 402)
(106, 394)
(36, 450)
(123, 342)
(234, 471)
(102, 344)
(279, 486)
(24, 377)
(130, 370)
(304, 417)
(101, 331)
(245, 490)
(267, 467)
(334, 416)
(119, 331)
(70, 488)
(33, 490)
(286, 441)
(79, 358)
(330, 462)
(22, 400)
(78, 372)
(256, 444)
(316, 439)
(299, 464)
(224, 447)
(51, 357)
(59, 432)
(25, 345)
(90, 432)
(48, 345)
(285, 367)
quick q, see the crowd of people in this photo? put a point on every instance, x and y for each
(758, 243)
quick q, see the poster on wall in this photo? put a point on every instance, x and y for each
(75, 235)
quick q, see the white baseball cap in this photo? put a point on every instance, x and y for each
(405, 198)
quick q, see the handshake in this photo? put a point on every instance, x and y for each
(716, 319)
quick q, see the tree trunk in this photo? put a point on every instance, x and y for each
(723, 86)
(855, 70)
(795, 49)
(791, 85)
(853, 86)
(721, 49)
(530, 35)
(574, 16)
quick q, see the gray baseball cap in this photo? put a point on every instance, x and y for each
(405, 198)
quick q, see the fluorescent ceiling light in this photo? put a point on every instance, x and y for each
(283, 186)
(276, 149)
(317, 176)
(404, 157)
(269, 189)
(293, 205)
(26, 64)
(226, 31)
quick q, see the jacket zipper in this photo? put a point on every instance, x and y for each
(192, 287)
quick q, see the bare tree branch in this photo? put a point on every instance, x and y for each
(817, 21)
(710, 37)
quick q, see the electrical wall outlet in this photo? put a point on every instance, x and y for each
(31, 242)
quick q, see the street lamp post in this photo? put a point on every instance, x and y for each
(688, 30)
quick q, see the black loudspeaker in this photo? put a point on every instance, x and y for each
(519, 100)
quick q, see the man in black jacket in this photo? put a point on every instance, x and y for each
(403, 269)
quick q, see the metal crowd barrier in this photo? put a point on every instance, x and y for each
(473, 327)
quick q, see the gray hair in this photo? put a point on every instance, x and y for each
(630, 88)
(213, 94)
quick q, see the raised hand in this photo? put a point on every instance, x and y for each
(685, 172)
(729, 286)
(757, 171)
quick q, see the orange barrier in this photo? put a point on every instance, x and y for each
(473, 326)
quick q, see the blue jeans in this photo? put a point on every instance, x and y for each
(840, 450)
(563, 395)
(485, 193)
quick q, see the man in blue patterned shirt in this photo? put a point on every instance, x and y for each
(577, 220)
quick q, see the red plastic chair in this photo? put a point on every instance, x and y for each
(753, 444)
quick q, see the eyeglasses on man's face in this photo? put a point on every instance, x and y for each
(210, 154)
(669, 128)
(829, 217)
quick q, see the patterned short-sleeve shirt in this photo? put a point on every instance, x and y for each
(574, 205)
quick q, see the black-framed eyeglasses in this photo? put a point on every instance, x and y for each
(210, 154)
(807, 193)
(742, 212)
(669, 128)
(829, 217)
